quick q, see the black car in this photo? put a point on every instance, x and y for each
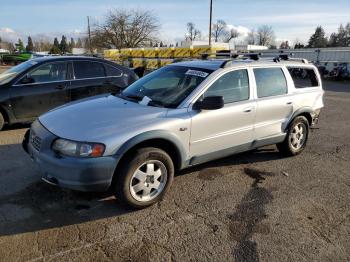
(38, 85)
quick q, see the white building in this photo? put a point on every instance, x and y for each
(243, 48)
(328, 57)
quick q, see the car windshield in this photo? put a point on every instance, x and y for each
(166, 87)
(11, 73)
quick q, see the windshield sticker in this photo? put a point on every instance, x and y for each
(196, 73)
(145, 100)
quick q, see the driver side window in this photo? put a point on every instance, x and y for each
(233, 86)
(48, 73)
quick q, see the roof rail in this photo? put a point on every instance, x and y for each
(286, 57)
(241, 56)
(229, 54)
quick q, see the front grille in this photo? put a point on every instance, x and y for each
(35, 141)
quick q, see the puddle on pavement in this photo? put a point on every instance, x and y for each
(248, 216)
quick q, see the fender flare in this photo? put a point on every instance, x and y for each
(149, 135)
(5, 113)
(298, 112)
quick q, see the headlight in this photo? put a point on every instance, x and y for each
(78, 149)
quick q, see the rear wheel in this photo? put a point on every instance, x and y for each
(2, 121)
(297, 135)
(144, 177)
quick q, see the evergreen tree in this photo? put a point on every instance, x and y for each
(20, 46)
(71, 45)
(30, 45)
(318, 39)
(64, 45)
(298, 46)
(79, 44)
(333, 40)
(56, 43)
(55, 49)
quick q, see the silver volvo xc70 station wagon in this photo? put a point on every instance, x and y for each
(181, 115)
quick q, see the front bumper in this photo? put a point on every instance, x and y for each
(315, 116)
(82, 174)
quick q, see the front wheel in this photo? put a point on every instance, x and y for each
(144, 177)
(2, 121)
(297, 135)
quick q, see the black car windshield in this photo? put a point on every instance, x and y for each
(11, 73)
(166, 87)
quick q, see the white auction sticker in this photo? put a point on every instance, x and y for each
(145, 100)
(196, 73)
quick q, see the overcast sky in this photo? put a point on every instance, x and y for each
(290, 20)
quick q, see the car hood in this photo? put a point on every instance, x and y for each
(94, 119)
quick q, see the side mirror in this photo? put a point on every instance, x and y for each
(27, 80)
(209, 103)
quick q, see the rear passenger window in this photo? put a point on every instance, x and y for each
(87, 69)
(112, 71)
(233, 87)
(303, 77)
(270, 82)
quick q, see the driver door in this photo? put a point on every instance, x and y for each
(42, 89)
(220, 132)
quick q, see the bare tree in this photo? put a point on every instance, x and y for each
(126, 29)
(251, 38)
(265, 35)
(229, 34)
(192, 33)
(284, 45)
(219, 30)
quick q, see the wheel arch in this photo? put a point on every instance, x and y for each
(305, 111)
(166, 141)
(4, 114)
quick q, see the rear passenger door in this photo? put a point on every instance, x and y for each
(89, 79)
(274, 104)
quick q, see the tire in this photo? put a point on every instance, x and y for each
(2, 121)
(144, 178)
(296, 139)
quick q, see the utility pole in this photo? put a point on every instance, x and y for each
(89, 31)
(210, 20)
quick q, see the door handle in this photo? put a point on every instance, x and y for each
(248, 109)
(289, 103)
(60, 87)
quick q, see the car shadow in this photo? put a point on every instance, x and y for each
(39, 206)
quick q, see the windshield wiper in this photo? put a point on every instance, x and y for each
(156, 103)
(133, 98)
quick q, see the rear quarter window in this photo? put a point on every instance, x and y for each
(112, 71)
(303, 77)
(87, 69)
(270, 82)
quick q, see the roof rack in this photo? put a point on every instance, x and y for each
(286, 57)
(231, 57)
(241, 56)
